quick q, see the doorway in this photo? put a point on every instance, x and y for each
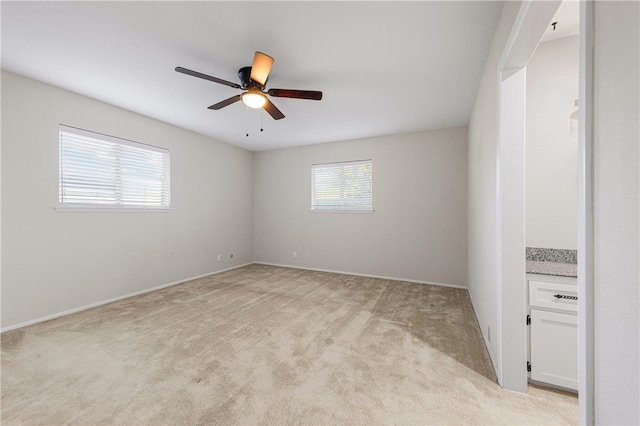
(532, 21)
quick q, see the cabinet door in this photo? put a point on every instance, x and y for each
(554, 348)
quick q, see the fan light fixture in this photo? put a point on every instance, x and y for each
(254, 100)
(252, 82)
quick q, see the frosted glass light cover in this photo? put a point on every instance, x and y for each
(254, 100)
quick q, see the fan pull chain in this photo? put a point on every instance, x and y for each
(261, 121)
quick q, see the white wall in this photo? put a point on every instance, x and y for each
(418, 229)
(616, 188)
(483, 275)
(551, 152)
(58, 261)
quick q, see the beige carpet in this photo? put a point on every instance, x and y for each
(264, 344)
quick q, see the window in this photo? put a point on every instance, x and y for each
(342, 186)
(107, 172)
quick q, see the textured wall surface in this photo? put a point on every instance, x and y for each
(616, 212)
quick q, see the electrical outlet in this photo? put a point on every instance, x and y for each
(219, 258)
(489, 334)
(295, 253)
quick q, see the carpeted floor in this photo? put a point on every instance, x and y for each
(264, 344)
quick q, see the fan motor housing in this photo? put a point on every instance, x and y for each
(244, 74)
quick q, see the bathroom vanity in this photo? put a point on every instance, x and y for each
(553, 321)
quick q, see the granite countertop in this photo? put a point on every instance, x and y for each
(558, 262)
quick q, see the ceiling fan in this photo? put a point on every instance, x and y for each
(253, 80)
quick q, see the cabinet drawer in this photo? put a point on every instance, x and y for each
(553, 296)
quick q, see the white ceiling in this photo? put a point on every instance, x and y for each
(567, 19)
(384, 67)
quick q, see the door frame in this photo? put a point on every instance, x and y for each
(529, 26)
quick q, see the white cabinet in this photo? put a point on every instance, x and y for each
(553, 337)
(554, 348)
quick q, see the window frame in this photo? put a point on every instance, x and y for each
(318, 208)
(118, 205)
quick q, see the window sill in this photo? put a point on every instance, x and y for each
(104, 209)
(341, 211)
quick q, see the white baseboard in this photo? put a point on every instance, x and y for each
(365, 275)
(113, 299)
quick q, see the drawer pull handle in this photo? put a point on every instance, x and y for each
(564, 296)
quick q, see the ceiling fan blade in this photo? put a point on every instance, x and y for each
(298, 94)
(226, 102)
(261, 67)
(272, 110)
(208, 77)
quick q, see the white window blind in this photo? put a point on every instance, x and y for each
(346, 186)
(103, 171)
